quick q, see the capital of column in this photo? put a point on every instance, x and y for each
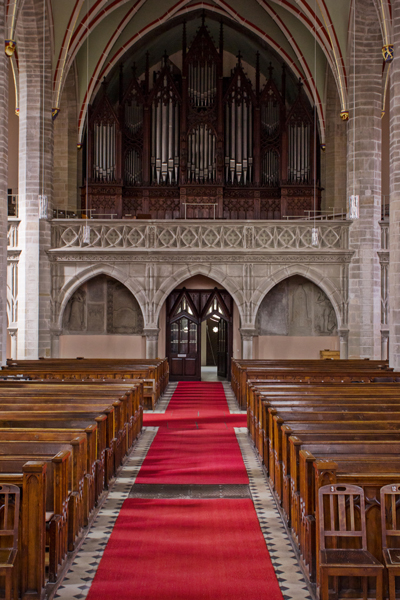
(248, 332)
(55, 331)
(151, 333)
(12, 331)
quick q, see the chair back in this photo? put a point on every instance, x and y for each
(9, 515)
(337, 515)
(390, 506)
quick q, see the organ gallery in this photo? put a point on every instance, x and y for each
(200, 140)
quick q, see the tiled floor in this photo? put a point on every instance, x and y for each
(77, 582)
(289, 575)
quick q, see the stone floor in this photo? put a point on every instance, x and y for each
(210, 374)
(84, 564)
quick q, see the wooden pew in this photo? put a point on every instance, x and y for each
(153, 373)
(281, 369)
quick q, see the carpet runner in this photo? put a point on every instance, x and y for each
(179, 549)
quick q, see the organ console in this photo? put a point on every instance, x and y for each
(196, 140)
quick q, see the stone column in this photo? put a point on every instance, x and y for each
(344, 343)
(384, 344)
(35, 179)
(364, 180)
(151, 341)
(55, 343)
(13, 334)
(3, 187)
(247, 343)
(394, 227)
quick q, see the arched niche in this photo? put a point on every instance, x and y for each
(296, 319)
(102, 319)
(102, 306)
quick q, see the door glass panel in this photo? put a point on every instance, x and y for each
(184, 327)
(174, 338)
(193, 337)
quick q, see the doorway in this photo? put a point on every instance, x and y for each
(199, 334)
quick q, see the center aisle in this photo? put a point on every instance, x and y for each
(189, 549)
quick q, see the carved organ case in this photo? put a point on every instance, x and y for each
(198, 143)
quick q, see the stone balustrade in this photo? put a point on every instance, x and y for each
(195, 235)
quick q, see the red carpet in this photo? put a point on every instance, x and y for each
(186, 550)
(189, 549)
(194, 456)
(196, 442)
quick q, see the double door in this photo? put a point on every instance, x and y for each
(187, 309)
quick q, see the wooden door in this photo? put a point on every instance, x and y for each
(183, 339)
(184, 349)
(222, 354)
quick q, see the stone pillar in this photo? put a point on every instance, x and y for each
(151, 342)
(333, 160)
(344, 343)
(394, 227)
(3, 187)
(384, 344)
(13, 334)
(35, 179)
(55, 343)
(247, 343)
(364, 180)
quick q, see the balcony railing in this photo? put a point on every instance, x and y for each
(198, 235)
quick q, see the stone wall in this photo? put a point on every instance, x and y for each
(333, 160)
(65, 149)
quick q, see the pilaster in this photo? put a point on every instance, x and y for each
(151, 334)
(247, 342)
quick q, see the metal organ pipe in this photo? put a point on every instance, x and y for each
(158, 140)
(104, 152)
(245, 142)
(239, 139)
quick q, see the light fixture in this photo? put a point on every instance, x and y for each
(43, 206)
(86, 234)
(314, 236)
(354, 207)
(215, 329)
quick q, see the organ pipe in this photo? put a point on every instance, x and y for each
(201, 155)
(104, 153)
(202, 84)
(299, 168)
(165, 138)
(154, 145)
(238, 138)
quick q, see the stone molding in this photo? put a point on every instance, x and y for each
(91, 257)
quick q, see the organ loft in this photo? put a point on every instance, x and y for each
(200, 141)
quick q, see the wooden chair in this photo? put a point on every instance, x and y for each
(390, 507)
(9, 517)
(341, 525)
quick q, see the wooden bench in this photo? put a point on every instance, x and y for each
(311, 434)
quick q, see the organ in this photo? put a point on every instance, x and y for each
(193, 142)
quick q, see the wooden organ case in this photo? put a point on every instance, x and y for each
(195, 144)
